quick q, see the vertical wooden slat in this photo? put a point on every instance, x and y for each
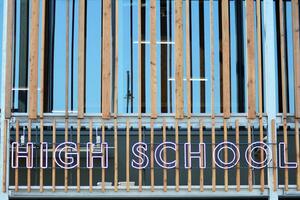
(250, 182)
(297, 153)
(237, 141)
(225, 59)
(188, 58)
(127, 157)
(67, 60)
(41, 169)
(106, 58)
(103, 149)
(202, 157)
(116, 58)
(274, 155)
(17, 150)
(213, 144)
(33, 61)
(152, 155)
(78, 150)
(177, 157)
(179, 59)
(5, 156)
(53, 156)
(9, 57)
(225, 156)
(81, 57)
(140, 57)
(153, 57)
(286, 170)
(251, 59)
(296, 45)
(189, 155)
(261, 139)
(29, 155)
(42, 52)
(165, 181)
(91, 152)
(140, 170)
(116, 156)
(66, 180)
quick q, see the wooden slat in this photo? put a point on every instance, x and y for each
(33, 61)
(4, 156)
(9, 57)
(127, 157)
(81, 57)
(286, 170)
(262, 171)
(91, 153)
(202, 157)
(225, 157)
(140, 57)
(106, 59)
(179, 59)
(188, 58)
(274, 155)
(177, 157)
(237, 142)
(165, 175)
(189, 155)
(103, 169)
(29, 155)
(250, 181)
(296, 45)
(140, 170)
(152, 155)
(42, 52)
(225, 59)
(67, 60)
(297, 153)
(66, 180)
(116, 156)
(116, 58)
(153, 57)
(78, 150)
(53, 156)
(251, 59)
(17, 151)
(213, 144)
(41, 169)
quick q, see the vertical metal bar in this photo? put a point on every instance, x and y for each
(202, 158)
(53, 156)
(152, 155)
(127, 157)
(225, 60)
(237, 142)
(179, 59)
(251, 59)
(153, 58)
(250, 178)
(106, 59)
(81, 57)
(189, 155)
(225, 156)
(165, 175)
(41, 169)
(42, 52)
(116, 57)
(104, 154)
(188, 57)
(91, 154)
(116, 156)
(66, 140)
(67, 60)
(78, 150)
(33, 61)
(17, 151)
(297, 153)
(29, 155)
(177, 156)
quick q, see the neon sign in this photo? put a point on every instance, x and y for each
(66, 155)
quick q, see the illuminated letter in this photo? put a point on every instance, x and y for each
(22, 154)
(158, 152)
(216, 155)
(68, 148)
(188, 155)
(282, 162)
(44, 155)
(91, 154)
(264, 147)
(138, 150)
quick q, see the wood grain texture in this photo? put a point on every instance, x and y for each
(259, 57)
(225, 156)
(104, 154)
(179, 60)
(202, 157)
(66, 175)
(116, 58)
(106, 59)
(91, 155)
(33, 61)
(177, 156)
(251, 59)
(42, 53)
(41, 169)
(116, 156)
(29, 155)
(286, 170)
(4, 176)
(140, 170)
(78, 150)
(213, 145)
(165, 174)
(53, 156)
(189, 182)
(297, 153)
(274, 155)
(17, 151)
(238, 165)
(152, 155)
(153, 85)
(250, 177)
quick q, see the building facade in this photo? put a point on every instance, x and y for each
(150, 99)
